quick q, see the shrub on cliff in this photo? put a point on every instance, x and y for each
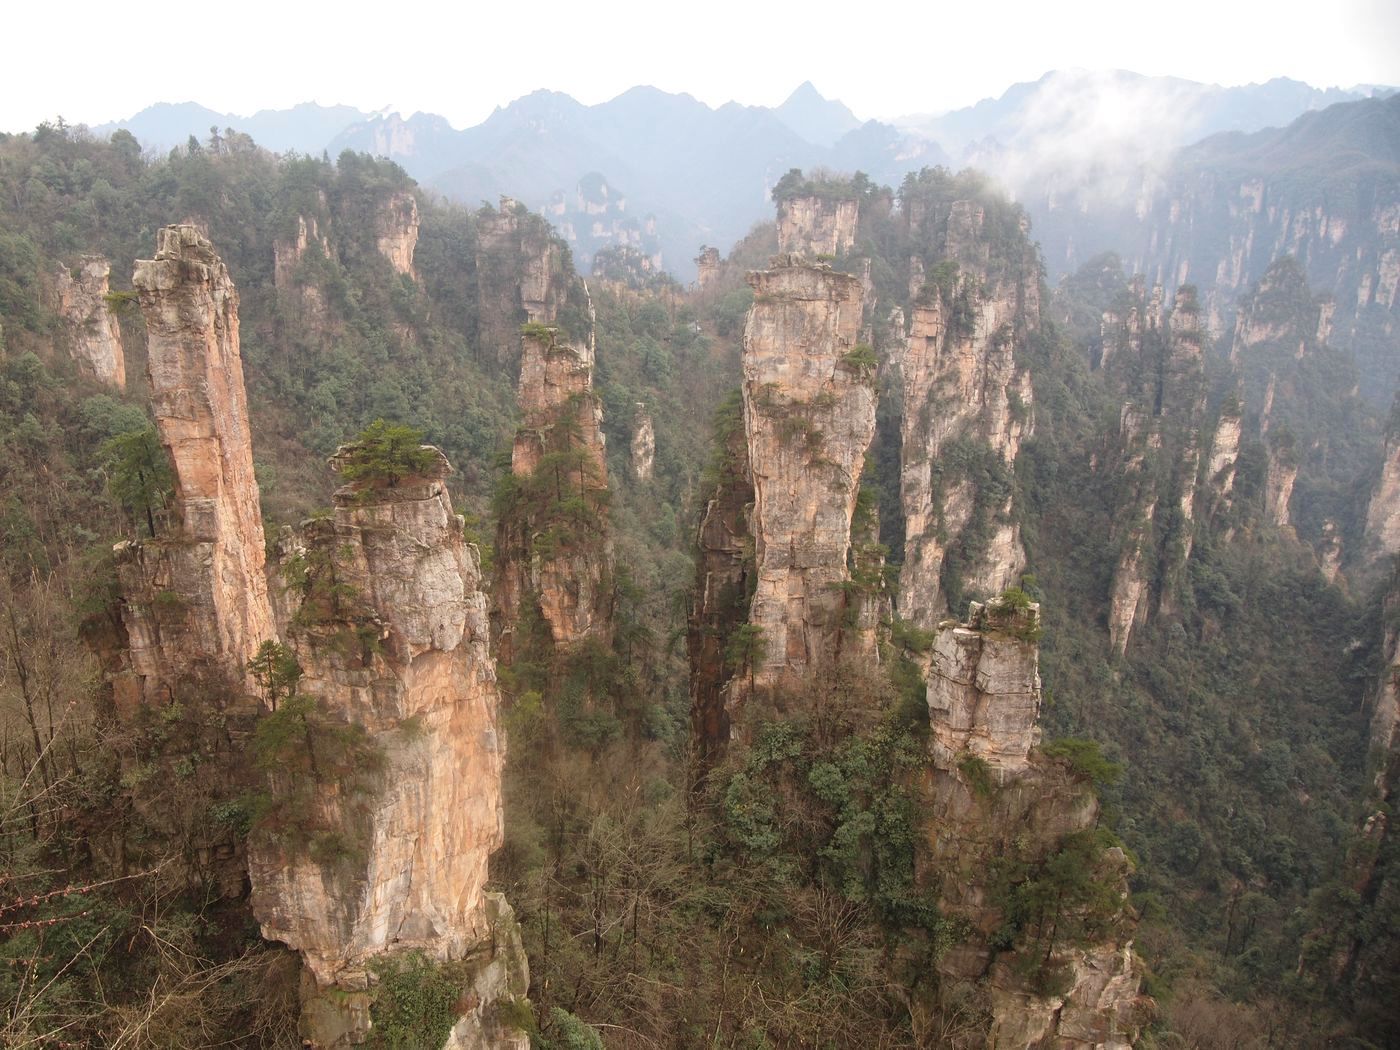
(387, 452)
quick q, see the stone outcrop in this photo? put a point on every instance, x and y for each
(984, 688)
(817, 225)
(520, 276)
(1225, 450)
(396, 231)
(385, 612)
(96, 337)
(967, 406)
(1282, 475)
(212, 562)
(809, 415)
(643, 447)
(553, 546)
(706, 268)
(993, 796)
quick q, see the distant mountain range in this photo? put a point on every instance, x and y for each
(665, 173)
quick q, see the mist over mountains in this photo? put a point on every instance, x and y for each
(664, 173)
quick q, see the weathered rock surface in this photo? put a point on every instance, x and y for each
(809, 414)
(520, 276)
(1154, 360)
(392, 634)
(966, 404)
(817, 225)
(643, 446)
(706, 268)
(1383, 512)
(96, 336)
(396, 231)
(984, 688)
(724, 577)
(213, 563)
(559, 560)
(992, 795)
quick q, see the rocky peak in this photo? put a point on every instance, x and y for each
(396, 231)
(707, 268)
(520, 275)
(96, 336)
(287, 252)
(197, 396)
(809, 415)
(817, 224)
(385, 612)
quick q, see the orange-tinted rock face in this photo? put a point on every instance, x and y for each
(809, 414)
(215, 559)
(403, 653)
(97, 338)
(396, 231)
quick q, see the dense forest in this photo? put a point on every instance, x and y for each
(776, 890)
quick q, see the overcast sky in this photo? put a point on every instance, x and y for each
(95, 62)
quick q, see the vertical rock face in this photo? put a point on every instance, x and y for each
(96, 336)
(966, 409)
(643, 445)
(817, 225)
(552, 542)
(809, 414)
(287, 255)
(215, 561)
(1278, 491)
(707, 268)
(519, 276)
(1156, 364)
(724, 577)
(984, 688)
(396, 231)
(389, 624)
(1225, 450)
(993, 796)
(1383, 513)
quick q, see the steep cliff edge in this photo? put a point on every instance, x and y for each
(1011, 850)
(210, 567)
(967, 406)
(96, 336)
(809, 416)
(396, 231)
(520, 276)
(821, 225)
(386, 808)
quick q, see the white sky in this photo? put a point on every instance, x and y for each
(92, 62)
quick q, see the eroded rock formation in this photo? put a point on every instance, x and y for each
(809, 415)
(643, 447)
(213, 559)
(706, 268)
(966, 409)
(552, 541)
(993, 798)
(1383, 512)
(385, 612)
(96, 336)
(396, 231)
(817, 225)
(520, 276)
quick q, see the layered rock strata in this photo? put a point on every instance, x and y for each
(96, 336)
(809, 416)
